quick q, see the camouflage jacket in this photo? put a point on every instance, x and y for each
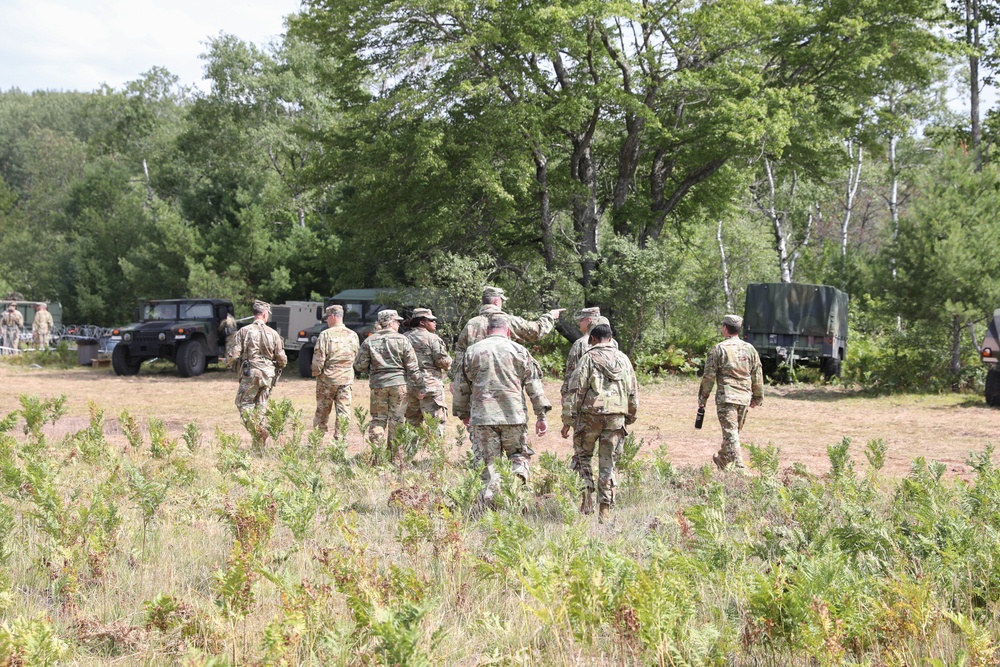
(12, 319)
(491, 380)
(388, 359)
(432, 356)
(735, 365)
(521, 330)
(260, 346)
(603, 384)
(580, 345)
(42, 322)
(333, 357)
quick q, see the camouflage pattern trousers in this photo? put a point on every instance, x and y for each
(731, 419)
(11, 339)
(490, 442)
(388, 407)
(607, 433)
(251, 399)
(40, 340)
(329, 395)
(433, 404)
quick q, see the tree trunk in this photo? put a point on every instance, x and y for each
(972, 38)
(956, 350)
(725, 269)
(853, 181)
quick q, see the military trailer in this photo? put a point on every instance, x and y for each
(990, 353)
(290, 318)
(27, 310)
(186, 332)
(797, 324)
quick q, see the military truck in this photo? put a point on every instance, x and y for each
(990, 353)
(183, 331)
(797, 324)
(361, 308)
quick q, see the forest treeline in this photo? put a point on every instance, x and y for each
(649, 157)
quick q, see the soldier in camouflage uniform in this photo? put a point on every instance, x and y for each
(490, 383)
(41, 326)
(258, 354)
(604, 398)
(11, 322)
(434, 362)
(735, 366)
(388, 359)
(227, 328)
(521, 330)
(586, 319)
(333, 368)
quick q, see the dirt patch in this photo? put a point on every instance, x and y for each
(801, 421)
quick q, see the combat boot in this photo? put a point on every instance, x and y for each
(587, 503)
(603, 512)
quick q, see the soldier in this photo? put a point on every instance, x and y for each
(259, 352)
(41, 326)
(333, 368)
(490, 383)
(603, 399)
(434, 362)
(388, 359)
(521, 330)
(227, 328)
(734, 364)
(12, 321)
(585, 319)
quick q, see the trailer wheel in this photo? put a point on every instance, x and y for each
(993, 387)
(830, 367)
(305, 362)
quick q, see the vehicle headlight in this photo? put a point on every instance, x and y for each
(162, 336)
(126, 337)
(314, 339)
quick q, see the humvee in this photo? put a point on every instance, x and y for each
(990, 353)
(361, 308)
(183, 331)
(797, 323)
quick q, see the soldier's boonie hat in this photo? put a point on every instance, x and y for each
(599, 320)
(734, 321)
(584, 313)
(334, 310)
(261, 306)
(386, 316)
(499, 321)
(424, 313)
(490, 292)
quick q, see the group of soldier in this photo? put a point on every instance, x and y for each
(12, 322)
(490, 376)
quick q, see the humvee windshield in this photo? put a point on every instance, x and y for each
(177, 311)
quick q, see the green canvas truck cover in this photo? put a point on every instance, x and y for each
(795, 308)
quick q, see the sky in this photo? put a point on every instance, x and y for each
(81, 44)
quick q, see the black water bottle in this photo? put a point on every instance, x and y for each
(700, 419)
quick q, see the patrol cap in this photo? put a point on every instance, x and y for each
(584, 313)
(599, 320)
(424, 313)
(386, 316)
(334, 310)
(734, 321)
(261, 306)
(490, 292)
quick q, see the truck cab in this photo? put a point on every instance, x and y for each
(990, 353)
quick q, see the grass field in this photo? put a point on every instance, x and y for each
(138, 528)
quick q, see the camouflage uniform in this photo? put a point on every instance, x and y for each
(259, 352)
(735, 365)
(227, 328)
(490, 383)
(604, 397)
(388, 359)
(41, 328)
(576, 351)
(332, 366)
(11, 321)
(521, 330)
(434, 362)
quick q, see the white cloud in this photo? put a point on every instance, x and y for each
(80, 44)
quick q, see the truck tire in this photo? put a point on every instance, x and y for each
(305, 362)
(190, 359)
(122, 362)
(831, 367)
(993, 387)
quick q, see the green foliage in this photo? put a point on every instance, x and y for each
(160, 446)
(39, 412)
(192, 437)
(32, 641)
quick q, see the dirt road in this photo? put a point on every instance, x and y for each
(801, 421)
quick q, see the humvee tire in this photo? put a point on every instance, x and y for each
(190, 359)
(305, 362)
(993, 387)
(122, 363)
